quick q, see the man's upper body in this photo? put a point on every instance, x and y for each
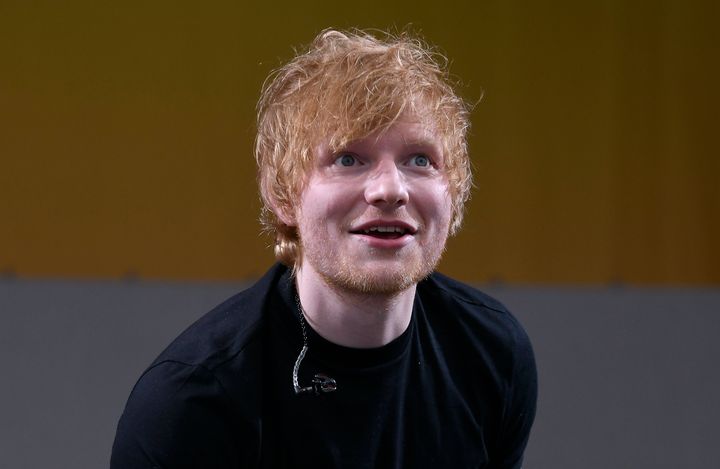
(455, 389)
(355, 355)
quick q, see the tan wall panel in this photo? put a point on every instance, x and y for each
(126, 136)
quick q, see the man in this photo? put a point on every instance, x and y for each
(351, 353)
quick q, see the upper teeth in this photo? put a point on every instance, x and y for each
(385, 229)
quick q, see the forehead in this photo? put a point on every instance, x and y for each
(408, 130)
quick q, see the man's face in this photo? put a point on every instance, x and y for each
(374, 216)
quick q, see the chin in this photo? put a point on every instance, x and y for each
(384, 278)
(383, 284)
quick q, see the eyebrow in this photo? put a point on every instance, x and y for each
(421, 142)
(424, 137)
(424, 142)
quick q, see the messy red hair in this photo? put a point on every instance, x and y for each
(346, 86)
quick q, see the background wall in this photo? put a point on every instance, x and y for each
(125, 153)
(126, 133)
(628, 376)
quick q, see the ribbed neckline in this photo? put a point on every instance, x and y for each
(334, 355)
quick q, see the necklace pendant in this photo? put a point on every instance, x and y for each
(323, 383)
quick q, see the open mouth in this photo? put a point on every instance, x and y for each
(383, 232)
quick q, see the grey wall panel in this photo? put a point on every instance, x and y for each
(70, 353)
(628, 377)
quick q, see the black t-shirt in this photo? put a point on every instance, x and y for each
(456, 389)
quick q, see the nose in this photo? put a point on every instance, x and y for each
(386, 186)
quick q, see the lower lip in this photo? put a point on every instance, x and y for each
(385, 243)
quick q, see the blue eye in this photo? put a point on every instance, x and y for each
(420, 160)
(346, 159)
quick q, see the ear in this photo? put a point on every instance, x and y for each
(287, 218)
(286, 214)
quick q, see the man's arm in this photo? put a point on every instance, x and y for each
(178, 416)
(519, 412)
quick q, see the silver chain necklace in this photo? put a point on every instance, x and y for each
(321, 383)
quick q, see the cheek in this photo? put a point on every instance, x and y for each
(435, 203)
(324, 204)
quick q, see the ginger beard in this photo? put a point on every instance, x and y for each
(378, 272)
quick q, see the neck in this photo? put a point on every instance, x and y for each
(350, 318)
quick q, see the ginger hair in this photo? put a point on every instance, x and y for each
(346, 86)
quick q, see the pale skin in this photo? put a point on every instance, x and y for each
(373, 220)
(357, 320)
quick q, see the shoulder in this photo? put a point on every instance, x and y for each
(222, 351)
(226, 331)
(182, 416)
(459, 291)
(477, 322)
(200, 396)
(457, 301)
(481, 331)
